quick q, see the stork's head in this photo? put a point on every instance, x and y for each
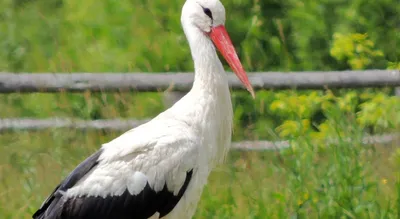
(208, 17)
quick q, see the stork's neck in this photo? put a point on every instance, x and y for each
(207, 107)
(209, 72)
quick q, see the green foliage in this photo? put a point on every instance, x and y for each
(377, 110)
(136, 35)
(355, 48)
(380, 111)
(394, 65)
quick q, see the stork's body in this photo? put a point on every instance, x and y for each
(159, 169)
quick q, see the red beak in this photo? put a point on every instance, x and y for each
(223, 43)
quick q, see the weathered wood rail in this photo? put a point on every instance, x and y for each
(78, 82)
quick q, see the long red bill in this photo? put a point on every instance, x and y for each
(223, 43)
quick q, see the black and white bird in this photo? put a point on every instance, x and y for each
(159, 169)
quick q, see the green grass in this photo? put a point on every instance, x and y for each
(81, 105)
(309, 180)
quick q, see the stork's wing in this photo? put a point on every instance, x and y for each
(127, 178)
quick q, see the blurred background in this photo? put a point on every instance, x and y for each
(314, 178)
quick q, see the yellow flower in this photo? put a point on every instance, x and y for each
(299, 202)
(384, 181)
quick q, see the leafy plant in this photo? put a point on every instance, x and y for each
(356, 49)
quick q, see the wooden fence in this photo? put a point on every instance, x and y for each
(182, 82)
(78, 82)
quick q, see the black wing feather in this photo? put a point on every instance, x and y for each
(125, 206)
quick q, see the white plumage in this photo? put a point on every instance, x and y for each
(159, 169)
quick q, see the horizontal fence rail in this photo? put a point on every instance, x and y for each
(40, 124)
(78, 82)
(279, 145)
(124, 125)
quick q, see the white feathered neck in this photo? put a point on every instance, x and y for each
(208, 105)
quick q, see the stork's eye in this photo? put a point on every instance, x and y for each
(207, 11)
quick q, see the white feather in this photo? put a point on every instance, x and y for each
(136, 183)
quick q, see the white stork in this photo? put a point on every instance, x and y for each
(159, 169)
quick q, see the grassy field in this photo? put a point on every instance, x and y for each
(312, 179)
